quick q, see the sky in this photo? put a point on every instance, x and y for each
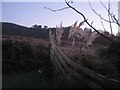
(28, 13)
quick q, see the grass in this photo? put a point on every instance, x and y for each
(22, 58)
(22, 61)
(102, 66)
(24, 80)
(106, 62)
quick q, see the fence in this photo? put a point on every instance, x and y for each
(70, 69)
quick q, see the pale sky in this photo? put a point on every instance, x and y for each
(29, 13)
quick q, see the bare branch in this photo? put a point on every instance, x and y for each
(87, 21)
(103, 5)
(106, 7)
(103, 25)
(98, 14)
(91, 22)
(112, 15)
(109, 16)
(56, 9)
(116, 20)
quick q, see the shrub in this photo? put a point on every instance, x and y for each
(113, 53)
(98, 65)
(20, 56)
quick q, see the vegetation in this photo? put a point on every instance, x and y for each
(35, 31)
(105, 60)
(31, 55)
(26, 64)
(25, 57)
(112, 53)
(20, 56)
(14, 29)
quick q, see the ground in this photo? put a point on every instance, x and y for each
(26, 64)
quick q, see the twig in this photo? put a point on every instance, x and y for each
(109, 16)
(112, 15)
(56, 9)
(106, 7)
(98, 14)
(87, 21)
(91, 22)
(103, 5)
(116, 20)
(103, 25)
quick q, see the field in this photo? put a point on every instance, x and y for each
(23, 58)
(100, 58)
(26, 63)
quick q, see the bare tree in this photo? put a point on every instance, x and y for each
(113, 18)
(111, 15)
(68, 3)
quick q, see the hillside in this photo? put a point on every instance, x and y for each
(17, 30)
(14, 29)
(25, 57)
(26, 64)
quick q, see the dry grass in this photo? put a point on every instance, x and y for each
(70, 51)
(91, 60)
(34, 42)
(30, 40)
(38, 61)
(24, 52)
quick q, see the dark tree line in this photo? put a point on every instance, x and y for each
(36, 31)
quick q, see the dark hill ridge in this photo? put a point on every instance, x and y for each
(18, 30)
(14, 29)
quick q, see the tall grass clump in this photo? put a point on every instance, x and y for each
(21, 56)
(98, 65)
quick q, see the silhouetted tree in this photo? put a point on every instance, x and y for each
(39, 26)
(34, 26)
(45, 27)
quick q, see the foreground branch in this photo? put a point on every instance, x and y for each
(87, 21)
(57, 9)
(110, 16)
(114, 20)
(99, 15)
(103, 25)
